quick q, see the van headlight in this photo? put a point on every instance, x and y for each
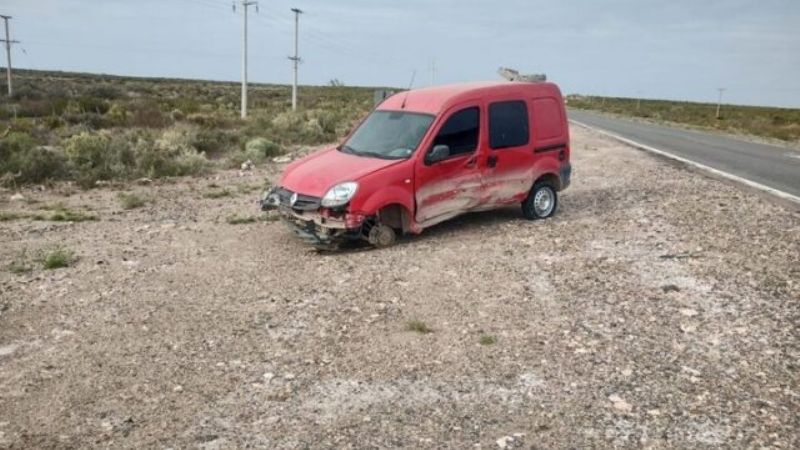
(340, 194)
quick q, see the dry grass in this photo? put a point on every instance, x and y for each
(768, 122)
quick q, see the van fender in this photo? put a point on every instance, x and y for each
(545, 167)
(392, 195)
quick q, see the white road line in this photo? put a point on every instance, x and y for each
(730, 176)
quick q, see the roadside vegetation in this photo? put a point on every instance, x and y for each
(130, 201)
(57, 259)
(92, 128)
(418, 326)
(767, 122)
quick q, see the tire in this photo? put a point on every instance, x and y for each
(382, 236)
(542, 201)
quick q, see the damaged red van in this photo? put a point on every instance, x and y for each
(426, 155)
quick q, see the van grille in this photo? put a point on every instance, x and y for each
(303, 203)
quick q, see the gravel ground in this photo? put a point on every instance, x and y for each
(658, 308)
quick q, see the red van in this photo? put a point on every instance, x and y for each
(427, 155)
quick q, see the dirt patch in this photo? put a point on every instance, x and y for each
(657, 308)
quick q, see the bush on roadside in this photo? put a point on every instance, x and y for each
(23, 161)
(172, 154)
(259, 149)
(215, 141)
(98, 156)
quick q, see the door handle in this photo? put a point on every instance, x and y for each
(491, 161)
(471, 163)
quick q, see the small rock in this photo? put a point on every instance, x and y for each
(177, 388)
(17, 197)
(691, 371)
(8, 349)
(248, 165)
(504, 441)
(670, 288)
(688, 312)
(281, 159)
(620, 404)
(288, 376)
(268, 376)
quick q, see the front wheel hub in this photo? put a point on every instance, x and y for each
(381, 235)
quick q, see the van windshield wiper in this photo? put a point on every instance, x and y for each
(344, 148)
(374, 155)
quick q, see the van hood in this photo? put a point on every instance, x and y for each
(315, 174)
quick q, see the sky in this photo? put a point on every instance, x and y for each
(669, 49)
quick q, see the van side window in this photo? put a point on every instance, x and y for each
(508, 124)
(460, 132)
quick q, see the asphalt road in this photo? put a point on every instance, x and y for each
(769, 165)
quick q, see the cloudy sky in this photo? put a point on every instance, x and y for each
(675, 49)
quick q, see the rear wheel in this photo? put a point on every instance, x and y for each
(541, 202)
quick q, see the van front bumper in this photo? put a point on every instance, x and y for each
(318, 230)
(310, 222)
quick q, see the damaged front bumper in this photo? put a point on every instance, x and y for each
(310, 221)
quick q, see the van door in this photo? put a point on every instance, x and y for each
(510, 157)
(451, 185)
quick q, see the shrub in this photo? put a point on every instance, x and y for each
(488, 340)
(21, 160)
(118, 114)
(418, 326)
(66, 215)
(40, 164)
(7, 216)
(95, 156)
(218, 194)
(104, 91)
(170, 155)
(258, 149)
(57, 259)
(148, 116)
(177, 115)
(215, 141)
(288, 121)
(237, 220)
(130, 201)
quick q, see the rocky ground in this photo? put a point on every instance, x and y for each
(659, 308)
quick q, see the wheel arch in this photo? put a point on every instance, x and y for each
(550, 177)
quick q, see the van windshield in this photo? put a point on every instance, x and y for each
(388, 135)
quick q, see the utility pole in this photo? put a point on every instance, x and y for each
(296, 58)
(245, 5)
(719, 101)
(8, 43)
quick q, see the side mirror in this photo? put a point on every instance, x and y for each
(438, 153)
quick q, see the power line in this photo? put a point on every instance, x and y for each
(8, 43)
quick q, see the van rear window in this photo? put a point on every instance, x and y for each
(508, 124)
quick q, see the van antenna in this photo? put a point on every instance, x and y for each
(411, 83)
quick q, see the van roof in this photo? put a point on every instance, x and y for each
(435, 99)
